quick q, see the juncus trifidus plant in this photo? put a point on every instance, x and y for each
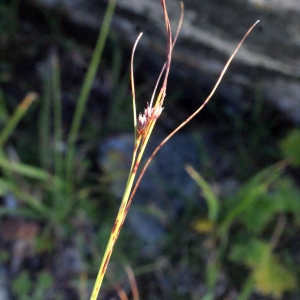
(143, 126)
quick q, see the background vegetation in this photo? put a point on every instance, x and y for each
(57, 207)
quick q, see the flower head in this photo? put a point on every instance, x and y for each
(142, 122)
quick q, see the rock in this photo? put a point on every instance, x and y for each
(67, 263)
(268, 61)
(4, 289)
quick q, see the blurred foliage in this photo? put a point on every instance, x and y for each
(290, 147)
(25, 288)
(259, 211)
(44, 167)
(270, 275)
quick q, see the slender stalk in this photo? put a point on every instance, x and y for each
(141, 139)
(133, 284)
(114, 233)
(144, 126)
(122, 210)
(133, 86)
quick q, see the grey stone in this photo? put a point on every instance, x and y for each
(4, 290)
(210, 32)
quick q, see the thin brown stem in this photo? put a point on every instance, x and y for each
(173, 44)
(121, 293)
(169, 45)
(190, 117)
(131, 65)
(278, 231)
(133, 284)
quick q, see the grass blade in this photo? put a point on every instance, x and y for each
(16, 117)
(209, 196)
(87, 85)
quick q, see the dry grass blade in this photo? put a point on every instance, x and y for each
(121, 293)
(133, 284)
(173, 44)
(132, 79)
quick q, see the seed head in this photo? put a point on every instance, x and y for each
(142, 122)
(156, 111)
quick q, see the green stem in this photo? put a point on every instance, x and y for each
(86, 88)
(121, 213)
(56, 91)
(113, 237)
(44, 121)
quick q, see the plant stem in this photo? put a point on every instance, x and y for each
(136, 158)
(86, 88)
(116, 228)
